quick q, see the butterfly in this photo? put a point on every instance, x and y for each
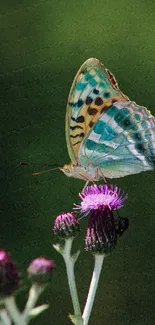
(107, 135)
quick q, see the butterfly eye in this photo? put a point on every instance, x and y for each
(67, 170)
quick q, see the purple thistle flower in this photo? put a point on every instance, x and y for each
(101, 236)
(104, 228)
(95, 197)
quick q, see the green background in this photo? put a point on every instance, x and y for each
(43, 44)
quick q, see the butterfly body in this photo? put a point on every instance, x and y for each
(107, 134)
(87, 173)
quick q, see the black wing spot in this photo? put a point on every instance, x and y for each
(140, 147)
(88, 100)
(92, 111)
(91, 124)
(76, 127)
(106, 94)
(76, 143)
(104, 108)
(98, 101)
(136, 136)
(96, 91)
(79, 119)
(80, 103)
(127, 122)
(81, 135)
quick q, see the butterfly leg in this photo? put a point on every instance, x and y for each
(86, 184)
(99, 173)
(87, 180)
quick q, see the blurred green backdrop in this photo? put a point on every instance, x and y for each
(43, 43)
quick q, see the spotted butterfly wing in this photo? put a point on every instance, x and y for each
(106, 133)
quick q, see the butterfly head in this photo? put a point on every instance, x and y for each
(75, 171)
(71, 170)
(86, 173)
(67, 169)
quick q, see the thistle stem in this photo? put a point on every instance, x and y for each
(93, 287)
(69, 262)
(5, 318)
(34, 294)
(23, 318)
(13, 311)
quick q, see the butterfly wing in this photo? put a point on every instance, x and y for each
(121, 142)
(94, 89)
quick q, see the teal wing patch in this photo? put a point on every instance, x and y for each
(121, 142)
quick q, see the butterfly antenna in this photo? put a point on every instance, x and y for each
(103, 176)
(44, 171)
(35, 164)
(39, 173)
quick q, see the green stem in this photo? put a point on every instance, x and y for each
(5, 318)
(23, 318)
(13, 311)
(70, 261)
(34, 294)
(93, 287)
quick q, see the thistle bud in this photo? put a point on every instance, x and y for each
(66, 225)
(40, 270)
(9, 277)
